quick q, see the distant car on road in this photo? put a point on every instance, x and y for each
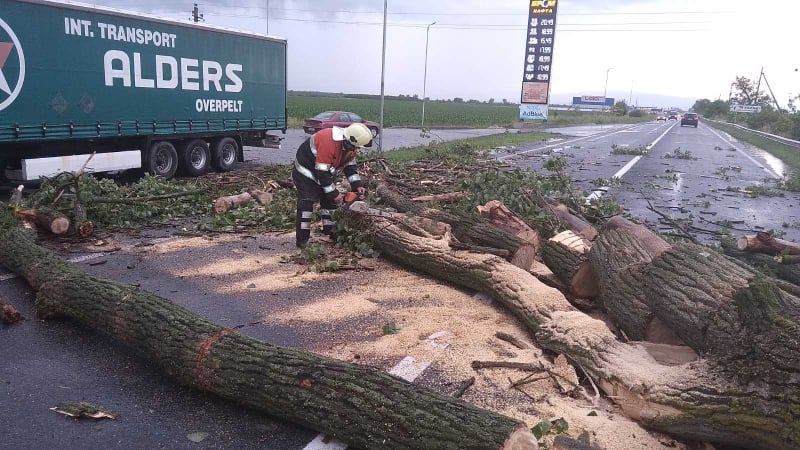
(673, 116)
(329, 119)
(690, 119)
(661, 118)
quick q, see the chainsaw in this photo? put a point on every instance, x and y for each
(353, 201)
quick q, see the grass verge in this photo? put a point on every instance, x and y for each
(789, 155)
(462, 148)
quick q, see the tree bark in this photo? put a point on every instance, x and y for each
(45, 218)
(787, 272)
(764, 243)
(444, 198)
(566, 254)
(466, 228)
(359, 405)
(704, 399)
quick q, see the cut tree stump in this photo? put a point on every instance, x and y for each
(764, 243)
(744, 393)
(359, 405)
(45, 218)
(566, 254)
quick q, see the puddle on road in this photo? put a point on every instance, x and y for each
(774, 163)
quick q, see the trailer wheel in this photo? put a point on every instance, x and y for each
(195, 157)
(223, 154)
(162, 160)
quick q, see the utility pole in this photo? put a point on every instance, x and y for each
(383, 69)
(267, 16)
(196, 16)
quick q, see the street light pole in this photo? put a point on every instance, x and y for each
(425, 76)
(605, 90)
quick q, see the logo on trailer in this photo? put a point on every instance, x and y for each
(10, 73)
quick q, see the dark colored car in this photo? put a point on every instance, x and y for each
(661, 118)
(329, 119)
(689, 119)
(673, 116)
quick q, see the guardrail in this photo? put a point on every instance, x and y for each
(771, 137)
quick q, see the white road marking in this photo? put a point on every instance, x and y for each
(409, 368)
(562, 143)
(597, 193)
(755, 161)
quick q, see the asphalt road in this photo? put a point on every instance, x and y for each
(393, 139)
(708, 189)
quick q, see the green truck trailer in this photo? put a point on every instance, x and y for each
(131, 90)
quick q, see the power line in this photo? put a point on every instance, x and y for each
(429, 13)
(485, 27)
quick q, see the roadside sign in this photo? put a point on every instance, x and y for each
(593, 101)
(538, 60)
(750, 109)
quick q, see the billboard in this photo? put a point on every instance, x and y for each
(750, 109)
(538, 60)
(593, 101)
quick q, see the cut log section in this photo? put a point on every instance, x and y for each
(45, 218)
(764, 243)
(566, 254)
(505, 219)
(709, 399)
(570, 220)
(223, 204)
(359, 405)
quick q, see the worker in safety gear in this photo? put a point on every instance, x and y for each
(318, 160)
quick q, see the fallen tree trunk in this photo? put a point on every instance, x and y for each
(444, 198)
(469, 229)
(45, 218)
(787, 272)
(566, 254)
(706, 399)
(764, 243)
(359, 405)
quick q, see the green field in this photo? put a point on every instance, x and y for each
(409, 112)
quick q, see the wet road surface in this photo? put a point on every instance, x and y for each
(708, 181)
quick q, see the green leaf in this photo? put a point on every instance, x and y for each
(541, 428)
(389, 328)
(197, 436)
(560, 425)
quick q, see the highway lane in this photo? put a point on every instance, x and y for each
(707, 190)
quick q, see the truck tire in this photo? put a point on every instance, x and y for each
(223, 154)
(195, 158)
(162, 160)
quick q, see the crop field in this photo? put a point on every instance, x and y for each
(399, 113)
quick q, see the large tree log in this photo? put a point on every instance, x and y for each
(700, 400)
(45, 218)
(768, 264)
(359, 405)
(764, 243)
(566, 254)
(505, 219)
(466, 228)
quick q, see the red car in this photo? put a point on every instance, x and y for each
(342, 119)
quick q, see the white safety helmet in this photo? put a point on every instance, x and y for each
(358, 134)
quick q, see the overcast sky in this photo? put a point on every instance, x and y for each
(662, 52)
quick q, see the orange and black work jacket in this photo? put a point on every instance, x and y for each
(322, 156)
